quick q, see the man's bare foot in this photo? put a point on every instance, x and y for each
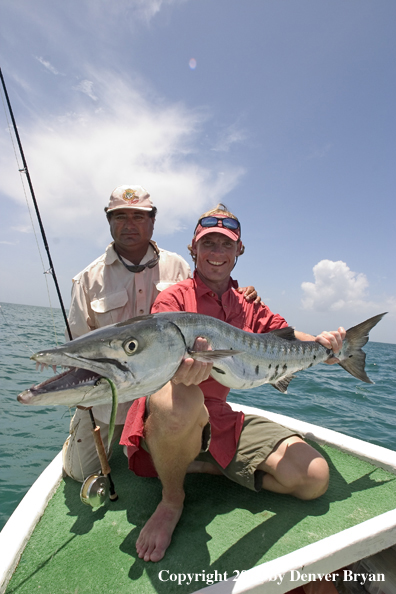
(156, 535)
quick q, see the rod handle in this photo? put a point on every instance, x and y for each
(101, 451)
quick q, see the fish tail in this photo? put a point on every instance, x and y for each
(353, 358)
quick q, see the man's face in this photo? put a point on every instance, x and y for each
(131, 229)
(216, 255)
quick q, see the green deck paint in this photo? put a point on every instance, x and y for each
(224, 528)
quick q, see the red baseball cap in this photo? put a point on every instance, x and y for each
(217, 227)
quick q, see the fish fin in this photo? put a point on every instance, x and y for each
(355, 366)
(353, 357)
(285, 333)
(283, 383)
(210, 356)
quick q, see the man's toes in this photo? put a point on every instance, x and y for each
(157, 555)
(141, 547)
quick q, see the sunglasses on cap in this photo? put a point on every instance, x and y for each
(227, 222)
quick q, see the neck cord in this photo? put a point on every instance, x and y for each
(140, 267)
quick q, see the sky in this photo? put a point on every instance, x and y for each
(283, 110)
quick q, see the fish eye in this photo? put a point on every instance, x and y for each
(130, 346)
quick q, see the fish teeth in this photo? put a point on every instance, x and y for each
(43, 366)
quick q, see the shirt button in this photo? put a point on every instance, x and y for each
(140, 290)
(141, 311)
(212, 295)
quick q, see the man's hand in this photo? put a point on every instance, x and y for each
(332, 340)
(192, 372)
(249, 293)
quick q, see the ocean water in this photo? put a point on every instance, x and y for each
(30, 437)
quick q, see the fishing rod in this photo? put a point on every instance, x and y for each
(95, 487)
(25, 170)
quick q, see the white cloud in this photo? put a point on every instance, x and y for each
(76, 160)
(147, 9)
(86, 87)
(47, 65)
(336, 287)
(230, 136)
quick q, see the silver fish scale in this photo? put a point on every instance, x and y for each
(262, 358)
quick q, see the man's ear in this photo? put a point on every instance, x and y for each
(194, 247)
(240, 248)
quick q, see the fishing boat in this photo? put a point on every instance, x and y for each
(241, 542)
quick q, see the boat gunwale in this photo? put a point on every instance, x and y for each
(18, 529)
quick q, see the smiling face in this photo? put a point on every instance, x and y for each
(131, 230)
(215, 254)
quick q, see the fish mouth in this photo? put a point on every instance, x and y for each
(72, 378)
(103, 367)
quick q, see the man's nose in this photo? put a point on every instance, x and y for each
(130, 223)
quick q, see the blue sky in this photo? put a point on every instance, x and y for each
(288, 118)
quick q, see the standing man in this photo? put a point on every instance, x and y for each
(121, 284)
(188, 426)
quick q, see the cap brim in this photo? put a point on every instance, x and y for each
(234, 235)
(146, 208)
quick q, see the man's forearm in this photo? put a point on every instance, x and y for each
(303, 336)
(330, 340)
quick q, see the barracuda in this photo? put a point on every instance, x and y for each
(142, 354)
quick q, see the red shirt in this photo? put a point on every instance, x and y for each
(226, 425)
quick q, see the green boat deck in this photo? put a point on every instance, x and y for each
(224, 529)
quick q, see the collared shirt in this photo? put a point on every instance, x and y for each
(226, 425)
(106, 292)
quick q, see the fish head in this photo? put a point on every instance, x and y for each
(139, 356)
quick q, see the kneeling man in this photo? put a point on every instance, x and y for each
(188, 426)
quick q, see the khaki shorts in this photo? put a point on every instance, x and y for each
(258, 439)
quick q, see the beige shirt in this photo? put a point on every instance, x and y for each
(106, 292)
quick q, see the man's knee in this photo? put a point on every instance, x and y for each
(313, 482)
(300, 469)
(176, 409)
(318, 478)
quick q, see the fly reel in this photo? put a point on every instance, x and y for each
(98, 487)
(95, 490)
